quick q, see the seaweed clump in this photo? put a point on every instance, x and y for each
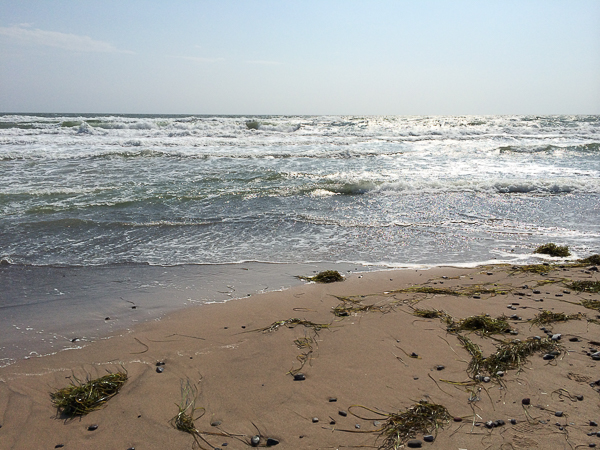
(591, 304)
(535, 268)
(553, 250)
(509, 355)
(585, 286)
(422, 418)
(327, 276)
(291, 322)
(482, 323)
(547, 317)
(80, 399)
(592, 260)
(430, 313)
(350, 306)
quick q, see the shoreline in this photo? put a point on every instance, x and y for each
(243, 374)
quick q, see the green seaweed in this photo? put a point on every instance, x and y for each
(422, 418)
(82, 398)
(591, 260)
(548, 317)
(553, 250)
(457, 292)
(591, 304)
(327, 276)
(482, 323)
(291, 322)
(585, 286)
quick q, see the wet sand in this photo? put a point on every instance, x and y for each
(374, 362)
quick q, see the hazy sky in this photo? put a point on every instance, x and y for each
(301, 57)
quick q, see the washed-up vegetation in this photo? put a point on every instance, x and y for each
(591, 304)
(82, 398)
(548, 317)
(422, 418)
(591, 260)
(482, 323)
(458, 291)
(291, 322)
(327, 276)
(552, 249)
(585, 286)
(430, 313)
(509, 355)
(535, 268)
(350, 305)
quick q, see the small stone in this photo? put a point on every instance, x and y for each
(93, 427)
(299, 377)
(490, 273)
(477, 296)
(489, 424)
(526, 401)
(596, 356)
(315, 419)
(574, 339)
(271, 442)
(579, 397)
(537, 338)
(537, 292)
(216, 423)
(500, 373)
(333, 399)
(548, 357)
(591, 444)
(556, 337)
(414, 355)
(107, 318)
(342, 413)
(160, 363)
(440, 367)
(428, 438)
(566, 292)
(414, 443)
(59, 445)
(499, 423)
(254, 441)
(376, 423)
(558, 295)
(357, 426)
(160, 369)
(558, 413)
(593, 424)
(458, 419)
(513, 421)
(486, 379)
(332, 422)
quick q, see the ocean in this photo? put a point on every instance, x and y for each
(83, 192)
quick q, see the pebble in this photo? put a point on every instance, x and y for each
(332, 422)
(315, 419)
(357, 426)
(558, 413)
(160, 363)
(216, 423)
(342, 413)
(93, 427)
(513, 421)
(477, 296)
(428, 438)
(537, 338)
(489, 424)
(486, 379)
(490, 273)
(591, 444)
(333, 399)
(59, 445)
(376, 423)
(414, 355)
(500, 373)
(556, 337)
(440, 367)
(580, 398)
(160, 369)
(414, 443)
(574, 339)
(499, 423)
(271, 442)
(526, 401)
(593, 424)
(299, 377)
(458, 419)
(548, 357)
(254, 441)
(537, 292)
(596, 356)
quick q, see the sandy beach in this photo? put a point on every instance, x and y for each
(373, 359)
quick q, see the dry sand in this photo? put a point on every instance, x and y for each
(244, 385)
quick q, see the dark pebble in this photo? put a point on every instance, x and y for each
(428, 438)
(357, 426)
(333, 399)
(414, 443)
(537, 292)
(299, 377)
(93, 427)
(216, 423)
(548, 357)
(440, 367)
(315, 419)
(591, 444)
(254, 441)
(593, 424)
(131, 448)
(160, 369)
(558, 413)
(271, 442)
(499, 423)
(458, 419)
(59, 445)
(414, 355)
(489, 424)
(342, 413)
(332, 422)
(580, 398)
(574, 339)
(160, 363)
(243, 326)
(107, 318)
(513, 421)
(526, 401)
(477, 296)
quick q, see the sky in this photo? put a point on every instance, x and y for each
(376, 57)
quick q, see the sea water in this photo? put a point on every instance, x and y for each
(394, 191)
(103, 213)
